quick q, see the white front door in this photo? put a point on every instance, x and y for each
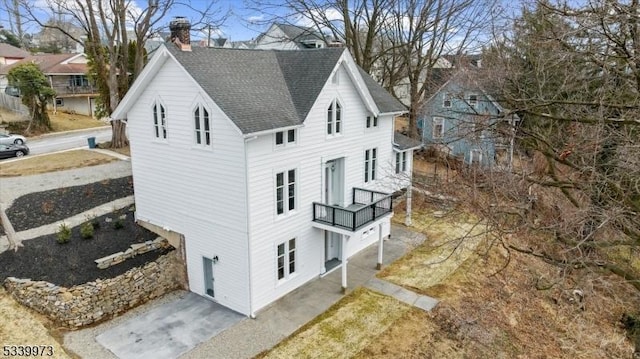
(332, 246)
(333, 182)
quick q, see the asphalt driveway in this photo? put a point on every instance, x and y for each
(169, 330)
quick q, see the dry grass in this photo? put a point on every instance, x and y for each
(54, 162)
(20, 326)
(524, 310)
(452, 239)
(345, 329)
(62, 121)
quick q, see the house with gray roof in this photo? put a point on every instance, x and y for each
(266, 168)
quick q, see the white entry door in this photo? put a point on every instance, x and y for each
(209, 280)
(332, 246)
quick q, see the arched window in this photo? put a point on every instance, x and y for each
(202, 126)
(334, 118)
(159, 121)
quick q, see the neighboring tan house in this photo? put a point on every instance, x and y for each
(9, 55)
(267, 168)
(290, 37)
(459, 118)
(67, 75)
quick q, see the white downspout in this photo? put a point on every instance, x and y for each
(252, 314)
(407, 218)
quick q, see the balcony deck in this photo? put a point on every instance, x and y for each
(367, 206)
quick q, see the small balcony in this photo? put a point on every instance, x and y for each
(367, 206)
(75, 90)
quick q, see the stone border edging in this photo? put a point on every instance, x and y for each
(134, 250)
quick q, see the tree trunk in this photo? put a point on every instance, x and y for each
(118, 134)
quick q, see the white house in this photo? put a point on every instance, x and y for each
(273, 167)
(290, 37)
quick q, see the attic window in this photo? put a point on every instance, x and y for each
(446, 102)
(336, 78)
(473, 100)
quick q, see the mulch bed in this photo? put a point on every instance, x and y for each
(39, 208)
(72, 263)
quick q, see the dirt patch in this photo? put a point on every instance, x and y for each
(21, 326)
(72, 263)
(54, 162)
(123, 151)
(39, 208)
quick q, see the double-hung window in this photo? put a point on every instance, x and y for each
(202, 123)
(370, 158)
(159, 121)
(438, 128)
(285, 192)
(334, 118)
(286, 259)
(446, 101)
(285, 138)
(401, 162)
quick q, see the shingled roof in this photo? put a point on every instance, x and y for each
(267, 89)
(9, 51)
(50, 64)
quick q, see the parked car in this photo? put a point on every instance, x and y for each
(7, 151)
(12, 139)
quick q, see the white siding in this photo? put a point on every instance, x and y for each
(195, 191)
(313, 148)
(275, 39)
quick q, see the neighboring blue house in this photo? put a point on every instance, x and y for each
(462, 120)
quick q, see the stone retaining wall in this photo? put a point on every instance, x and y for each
(134, 249)
(103, 299)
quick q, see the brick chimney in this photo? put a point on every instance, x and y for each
(180, 32)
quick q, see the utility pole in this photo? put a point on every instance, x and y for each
(209, 35)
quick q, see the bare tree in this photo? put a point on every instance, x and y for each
(396, 41)
(106, 24)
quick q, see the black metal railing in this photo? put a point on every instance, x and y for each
(367, 206)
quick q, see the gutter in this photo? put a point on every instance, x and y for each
(269, 131)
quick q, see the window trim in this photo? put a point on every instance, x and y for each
(289, 258)
(371, 122)
(434, 124)
(370, 164)
(287, 192)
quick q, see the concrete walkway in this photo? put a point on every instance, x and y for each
(249, 337)
(14, 187)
